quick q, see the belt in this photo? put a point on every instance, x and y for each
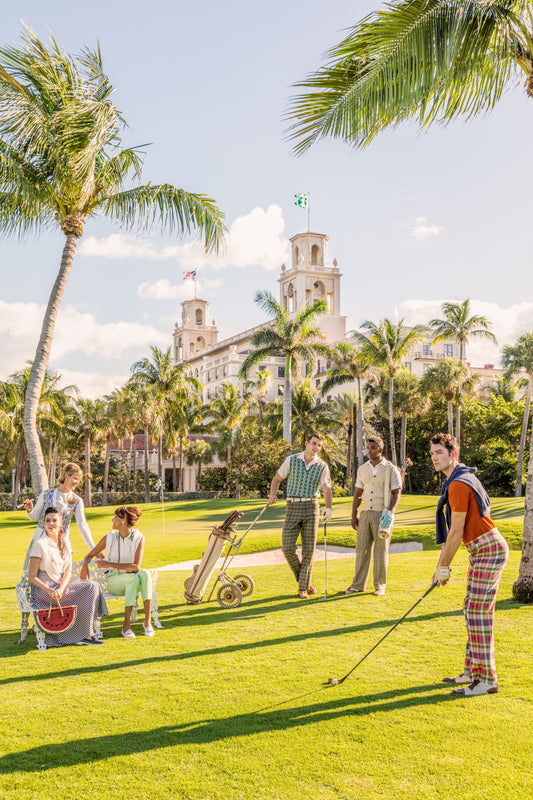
(301, 499)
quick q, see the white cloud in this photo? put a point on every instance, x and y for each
(165, 290)
(254, 239)
(93, 384)
(121, 246)
(76, 333)
(421, 230)
(508, 323)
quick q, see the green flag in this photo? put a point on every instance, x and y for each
(302, 200)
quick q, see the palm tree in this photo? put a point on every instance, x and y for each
(421, 60)
(516, 358)
(92, 421)
(61, 163)
(259, 385)
(198, 453)
(445, 379)
(460, 325)
(297, 337)
(184, 417)
(227, 411)
(350, 364)
(386, 346)
(167, 383)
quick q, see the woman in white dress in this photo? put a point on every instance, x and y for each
(49, 574)
(69, 504)
(124, 549)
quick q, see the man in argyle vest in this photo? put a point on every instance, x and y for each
(307, 473)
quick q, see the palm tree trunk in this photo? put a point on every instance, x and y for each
(53, 465)
(174, 473)
(287, 403)
(181, 463)
(391, 422)
(523, 587)
(198, 475)
(403, 444)
(133, 446)
(458, 421)
(106, 470)
(160, 464)
(360, 426)
(38, 368)
(449, 408)
(349, 452)
(523, 434)
(88, 499)
(146, 470)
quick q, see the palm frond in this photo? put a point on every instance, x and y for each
(422, 59)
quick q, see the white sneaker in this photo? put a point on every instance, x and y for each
(477, 688)
(148, 630)
(128, 634)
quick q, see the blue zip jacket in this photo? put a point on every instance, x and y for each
(466, 475)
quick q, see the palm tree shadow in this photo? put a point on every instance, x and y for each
(210, 730)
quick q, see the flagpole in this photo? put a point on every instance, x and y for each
(308, 214)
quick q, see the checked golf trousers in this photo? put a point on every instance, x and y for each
(301, 518)
(488, 556)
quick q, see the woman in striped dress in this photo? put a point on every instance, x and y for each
(49, 573)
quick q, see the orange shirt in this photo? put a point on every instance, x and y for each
(462, 498)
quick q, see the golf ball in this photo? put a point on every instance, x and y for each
(333, 681)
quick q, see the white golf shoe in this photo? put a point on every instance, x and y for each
(477, 688)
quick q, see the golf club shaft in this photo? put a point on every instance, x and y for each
(433, 585)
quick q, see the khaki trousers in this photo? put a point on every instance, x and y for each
(366, 542)
(301, 518)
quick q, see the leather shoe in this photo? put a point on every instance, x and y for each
(311, 589)
(303, 595)
(464, 677)
(379, 593)
(349, 590)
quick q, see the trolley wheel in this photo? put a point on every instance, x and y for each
(229, 596)
(245, 584)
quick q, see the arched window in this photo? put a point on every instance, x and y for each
(199, 316)
(295, 256)
(315, 255)
(179, 349)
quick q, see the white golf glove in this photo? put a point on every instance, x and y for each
(442, 575)
(326, 514)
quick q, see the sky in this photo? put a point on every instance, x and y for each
(413, 220)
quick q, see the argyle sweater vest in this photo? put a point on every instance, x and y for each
(304, 482)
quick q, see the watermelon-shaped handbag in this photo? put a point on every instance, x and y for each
(56, 620)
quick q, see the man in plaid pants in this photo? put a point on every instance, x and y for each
(306, 474)
(463, 514)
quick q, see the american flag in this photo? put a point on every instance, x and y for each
(189, 275)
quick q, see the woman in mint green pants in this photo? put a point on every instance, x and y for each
(124, 548)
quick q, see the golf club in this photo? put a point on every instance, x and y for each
(322, 599)
(337, 682)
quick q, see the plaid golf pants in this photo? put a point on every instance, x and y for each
(301, 518)
(488, 556)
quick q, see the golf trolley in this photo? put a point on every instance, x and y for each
(233, 589)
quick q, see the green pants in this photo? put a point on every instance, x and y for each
(130, 584)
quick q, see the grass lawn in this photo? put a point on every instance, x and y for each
(193, 712)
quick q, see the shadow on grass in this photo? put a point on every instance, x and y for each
(206, 731)
(231, 648)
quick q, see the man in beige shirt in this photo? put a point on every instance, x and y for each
(378, 486)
